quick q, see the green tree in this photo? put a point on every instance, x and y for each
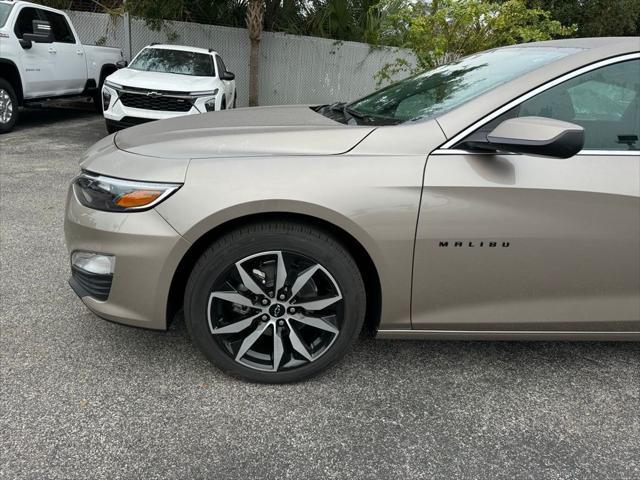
(443, 30)
(595, 18)
(351, 20)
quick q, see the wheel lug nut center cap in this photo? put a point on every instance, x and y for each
(277, 310)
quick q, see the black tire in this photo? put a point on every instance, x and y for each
(235, 100)
(300, 239)
(6, 127)
(223, 105)
(110, 128)
(97, 96)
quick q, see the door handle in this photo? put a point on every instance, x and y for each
(52, 50)
(79, 52)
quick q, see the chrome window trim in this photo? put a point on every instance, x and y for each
(496, 113)
(457, 151)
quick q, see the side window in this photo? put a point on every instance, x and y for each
(221, 66)
(60, 27)
(24, 23)
(605, 102)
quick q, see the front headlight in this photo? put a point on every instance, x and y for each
(210, 104)
(106, 99)
(116, 195)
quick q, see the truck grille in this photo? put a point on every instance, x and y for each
(161, 102)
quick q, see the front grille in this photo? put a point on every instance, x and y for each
(155, 102)
(87, 284)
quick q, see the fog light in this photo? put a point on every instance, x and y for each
(95, 263)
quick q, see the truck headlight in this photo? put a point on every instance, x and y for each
(116, 195)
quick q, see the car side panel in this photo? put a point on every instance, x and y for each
(522, 243)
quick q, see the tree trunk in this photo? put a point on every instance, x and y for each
(254, 73)
(255, 14)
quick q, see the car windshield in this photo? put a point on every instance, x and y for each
(5, 8)
(444, 88)
(174, 61)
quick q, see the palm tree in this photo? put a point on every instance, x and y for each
(254, 18)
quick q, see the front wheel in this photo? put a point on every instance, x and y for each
(275, 302)
(8, 107)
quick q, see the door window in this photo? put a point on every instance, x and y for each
(605, 102)
(61, 30)
(24, 23)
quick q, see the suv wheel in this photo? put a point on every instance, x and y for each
(8, 107)
(275, 302)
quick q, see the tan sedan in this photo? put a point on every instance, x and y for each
(497, 197)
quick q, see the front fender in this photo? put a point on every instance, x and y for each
(373, 199)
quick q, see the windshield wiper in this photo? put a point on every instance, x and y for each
(346, 110)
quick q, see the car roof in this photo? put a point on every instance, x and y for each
(30, 4)
(184, 48)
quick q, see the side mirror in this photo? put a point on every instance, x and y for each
(42, 33)
(537, 136)
(227, 76)
(121, 64)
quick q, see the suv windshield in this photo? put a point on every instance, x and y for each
(446, 87)
(174, 61)
(5, 8)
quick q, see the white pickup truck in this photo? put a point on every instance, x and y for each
(42, 58)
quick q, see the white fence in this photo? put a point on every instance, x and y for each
(293, 69)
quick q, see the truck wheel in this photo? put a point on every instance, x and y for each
(8, 106)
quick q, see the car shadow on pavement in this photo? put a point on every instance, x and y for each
(393, 362)
(52, 112)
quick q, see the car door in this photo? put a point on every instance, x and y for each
(70, 67)
(38, 62)
(229, 85)
(522, 243)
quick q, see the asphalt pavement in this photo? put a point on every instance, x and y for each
(83, 398)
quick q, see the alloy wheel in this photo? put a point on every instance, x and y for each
(275, 311)
(6, 106)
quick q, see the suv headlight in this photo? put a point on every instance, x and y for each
(106, 99)
(210, 104)
(117, 195)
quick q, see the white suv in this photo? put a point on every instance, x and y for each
(165, 81)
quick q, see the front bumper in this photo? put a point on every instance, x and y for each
(126, 122)
(147, 252)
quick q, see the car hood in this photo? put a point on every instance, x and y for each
(173, 82)
(261, 131)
